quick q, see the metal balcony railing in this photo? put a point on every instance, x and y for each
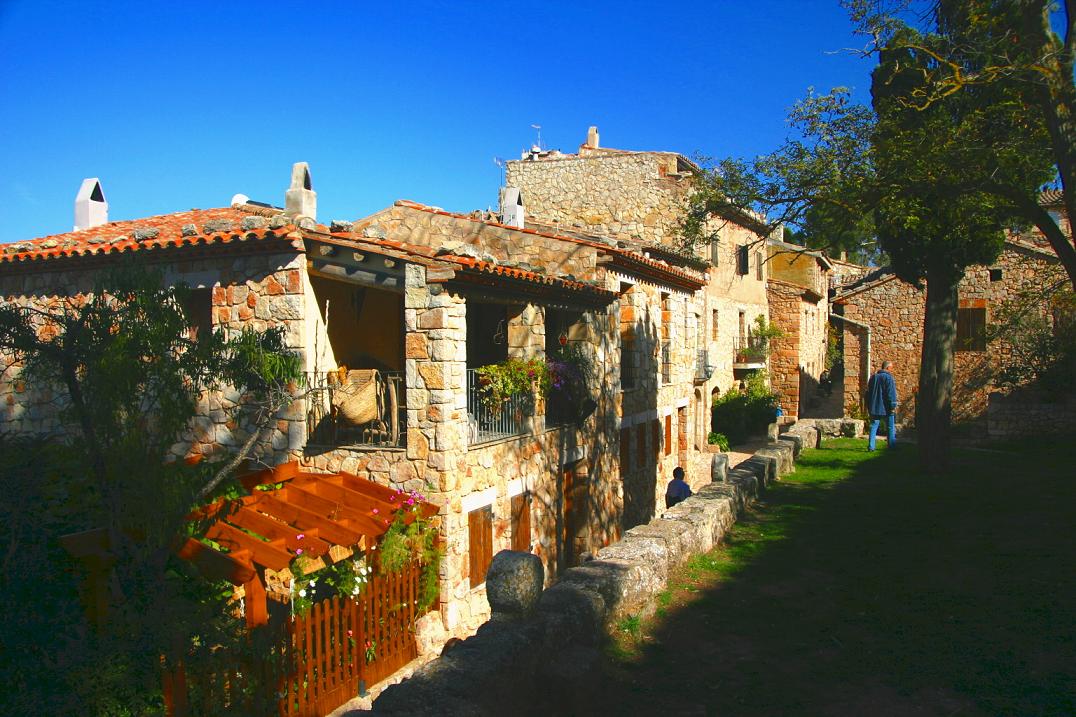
(749, 350)
(703, 366)
(329, 425)
(489, 423)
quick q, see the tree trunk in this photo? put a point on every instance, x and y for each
(1057, 94)
(934, 402)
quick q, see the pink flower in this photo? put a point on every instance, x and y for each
(410, 501)
(376, 511)
(349, 633)
(300, 536)
(298, 551)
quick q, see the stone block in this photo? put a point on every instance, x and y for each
(514, 583)
(719, 467)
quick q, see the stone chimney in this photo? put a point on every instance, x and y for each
(512, 207)
(91, 209)
(301, 199)
(592, 137)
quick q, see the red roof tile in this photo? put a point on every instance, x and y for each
(625, 257)
(191, 228)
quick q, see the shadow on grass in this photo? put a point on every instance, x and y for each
(859, 586)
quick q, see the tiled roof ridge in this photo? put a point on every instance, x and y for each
(634, 256)
(179, 229)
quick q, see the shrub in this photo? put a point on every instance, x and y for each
(718, 439)
(739, 415)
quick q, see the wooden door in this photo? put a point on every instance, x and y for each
(576, 511)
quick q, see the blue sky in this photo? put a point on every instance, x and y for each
(177, 105)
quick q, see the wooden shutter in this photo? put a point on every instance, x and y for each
(971, 329)
(656, 426)
(668, 434)
(758, 266)
(521, 522)
(480, 547)
(743, 260)
(715, 252)
(625, 450)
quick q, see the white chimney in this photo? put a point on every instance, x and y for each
(301, 199)
(592, 137)
(91, 209)
(512, 207)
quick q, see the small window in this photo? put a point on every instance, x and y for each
(668, 434)
(480, 545)
(628, 360)
(625, 450)
(743, 260)
(198, 308)
(521, 522)
(995, 275)
(715, 252)
(971, 329)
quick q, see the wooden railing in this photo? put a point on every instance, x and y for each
(312, 663)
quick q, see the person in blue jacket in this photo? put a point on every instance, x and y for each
(882, 404)
(678, 489)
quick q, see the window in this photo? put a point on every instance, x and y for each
(971, 329)
(640, 443)
(743, 260)
(713, 327)
(480, 545)
(715, 251)
(668, 434)
(198, 308)
(758, 266)
(995, 275)
(628, 359)
(521, 522)
(625, 450)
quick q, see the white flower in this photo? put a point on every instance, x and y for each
(355, 591)
(302, 593)
(313, 583)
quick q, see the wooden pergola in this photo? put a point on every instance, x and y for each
(306, 514)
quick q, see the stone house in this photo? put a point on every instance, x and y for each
(797, 290)
(880, 318)
(637, 199)
(425, 297)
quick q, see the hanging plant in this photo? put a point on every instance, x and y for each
(499, 383)
(405, 542)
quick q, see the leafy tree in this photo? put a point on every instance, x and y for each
(131, 373)
(1025, 49)
(934, 215)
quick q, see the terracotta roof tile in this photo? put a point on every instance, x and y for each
(626, 257)
(197, 227)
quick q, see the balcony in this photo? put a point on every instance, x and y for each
(359, 409)
(490, 423)
(749, 352)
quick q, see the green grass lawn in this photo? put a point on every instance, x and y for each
(858, 586)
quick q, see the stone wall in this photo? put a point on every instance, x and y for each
(629, 195)
(895, 311)
(1026, 413)
(553, 637)
(252, 290)
(784, 363)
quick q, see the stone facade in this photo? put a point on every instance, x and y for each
(257, 290)
(624, 195)
(895, 311)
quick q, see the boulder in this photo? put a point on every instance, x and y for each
(514, 583)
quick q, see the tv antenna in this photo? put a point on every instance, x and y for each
(499, 161)
(539, 128)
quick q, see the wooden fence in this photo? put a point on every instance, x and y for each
(317, 662)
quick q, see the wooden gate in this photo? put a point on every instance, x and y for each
(327, 654)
